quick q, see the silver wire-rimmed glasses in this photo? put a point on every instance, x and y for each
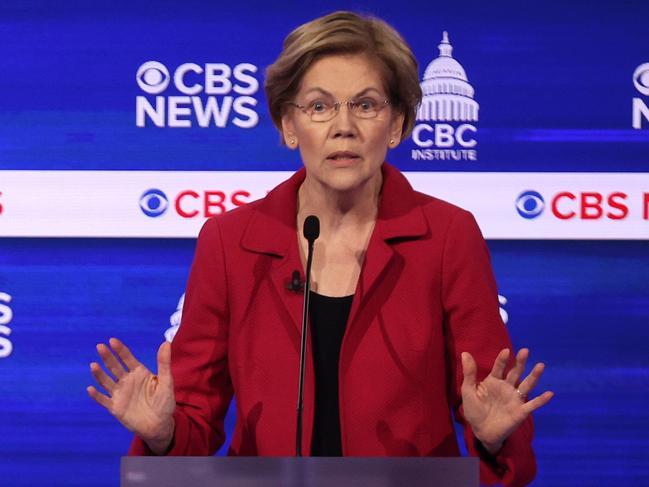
(323, 111)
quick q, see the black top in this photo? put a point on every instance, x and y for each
(328, 321)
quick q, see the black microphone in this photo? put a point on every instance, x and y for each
(311, 231)
(295, 284)
(311, 228)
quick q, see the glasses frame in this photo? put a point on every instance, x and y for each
(336, 109)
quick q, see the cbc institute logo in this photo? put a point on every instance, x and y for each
(213, 94)
(447, 111)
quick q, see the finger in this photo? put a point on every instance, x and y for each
(102, 377)
(500, 363)
(517, 370)
(99, 397)
(537, 402)
(110, 361)
(164, 362)
(469, 369)
(532, 379)
(124, 354)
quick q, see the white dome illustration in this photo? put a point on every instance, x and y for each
(448, 96)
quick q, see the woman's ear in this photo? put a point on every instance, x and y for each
(288, 132)
(396, 129)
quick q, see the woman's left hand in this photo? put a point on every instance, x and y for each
(496, 406)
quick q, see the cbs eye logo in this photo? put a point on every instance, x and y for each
(152, 77)
(641, 79)
(530, 204)
(153, 203)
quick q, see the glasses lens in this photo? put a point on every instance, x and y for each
(366, 107)
(321, 112)
(323, 116)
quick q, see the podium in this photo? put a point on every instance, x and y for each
(298, 472)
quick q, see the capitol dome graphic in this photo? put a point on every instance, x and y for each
(448, 96)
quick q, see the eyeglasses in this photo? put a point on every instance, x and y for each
(322, 111)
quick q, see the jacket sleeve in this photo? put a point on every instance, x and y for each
(199, 359)
(473, 324)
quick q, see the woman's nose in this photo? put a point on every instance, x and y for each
(344, 123)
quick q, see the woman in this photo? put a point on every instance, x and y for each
(405, 317)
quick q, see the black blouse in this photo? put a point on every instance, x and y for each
(329, 317)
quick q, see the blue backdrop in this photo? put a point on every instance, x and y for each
(554, 84)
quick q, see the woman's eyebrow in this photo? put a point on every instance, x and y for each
(317, 88)
(366, 90)
(325, 92)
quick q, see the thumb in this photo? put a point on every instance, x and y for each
(469, 369)
(164, 362)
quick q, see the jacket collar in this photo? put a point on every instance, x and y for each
(272, 227)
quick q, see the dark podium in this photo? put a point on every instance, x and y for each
(298, 472)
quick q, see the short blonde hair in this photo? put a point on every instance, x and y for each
(345, 33)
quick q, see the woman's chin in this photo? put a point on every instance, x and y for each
(347, 181)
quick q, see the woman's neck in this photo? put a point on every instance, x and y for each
(337, 209)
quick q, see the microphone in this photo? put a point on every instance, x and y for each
(295, 284)
(311, 228)
(311, 231)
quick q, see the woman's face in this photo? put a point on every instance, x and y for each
(345, 152)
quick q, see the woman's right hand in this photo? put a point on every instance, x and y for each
(143, 402)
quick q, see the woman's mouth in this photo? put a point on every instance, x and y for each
(343, 158)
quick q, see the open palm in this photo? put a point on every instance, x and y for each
(496, 406)
(143, 402)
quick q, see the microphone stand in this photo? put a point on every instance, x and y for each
(311, 232)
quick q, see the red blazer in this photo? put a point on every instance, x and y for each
(426, 293)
